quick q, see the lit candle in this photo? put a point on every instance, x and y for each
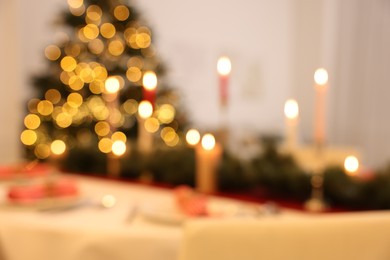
(149, 82)
(351, 165)
(145, 138)
(224, 67)
(321, 80)
(192, 137)
(208, 155)
(291, 111)
(112, 87)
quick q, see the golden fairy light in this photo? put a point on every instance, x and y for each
(130, 106)
(107, 30)
(52, 52)
(119, 136)
(208, 142)
(135, 61)
(121, 12)
(133, 74)
(96, 46)
(116, 47)
(76, 83)
(42, 151)
(145, 109)
(32, 121)
(94, 13)
(68, 63)
(112, 85)
(53, 95)
(63, 120)
(28, 137)
(45, 107)
(58, 147)
(193, 137)
(75, 3)
(91, 31)
(151, 125)
(105, 145)
(166, 113)
(102, 128)
(75, 100)
(96, 86)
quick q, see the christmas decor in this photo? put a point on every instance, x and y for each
(100, 71)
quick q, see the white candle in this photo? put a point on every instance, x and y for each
(224, 67)
(291, 111)
(145, 139)
(208, 155)
(321, 80)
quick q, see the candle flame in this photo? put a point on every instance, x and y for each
(224, 66)
(118, 148)
(145, 109)
(291, 109)
(208, 142)
(192, 137)
(321, 76)
(112, 85)
(149, 80)
(351, 165)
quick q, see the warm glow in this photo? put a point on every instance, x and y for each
(145, 109)
(321, 76)
(75, 100)
(105, 145)
(96, 86)
(291, 109)
(52, 52)
(151, 125)
(75, 3)
(32, 121)
(149, 80)
(102, 128)
(96, 46)
(351, 165)
(224, 66)
(130, 106)
(42, 151)
(208, 142)
(28, 137)
(116, 47)
(119, 136)
(108, 201)
(68, 63)
(193, 137)
(121, 12)
(133, 74)
(118, 147)
(76, 83)
(107, 30)
(58, 147)
(53, 95)
(166, 113)
(94, 13)
(91, 31)
(45, 107)
(112, 85)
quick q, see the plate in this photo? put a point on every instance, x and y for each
(163, 214)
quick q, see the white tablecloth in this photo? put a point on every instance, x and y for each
(90, 232)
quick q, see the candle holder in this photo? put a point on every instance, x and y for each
(316, 202)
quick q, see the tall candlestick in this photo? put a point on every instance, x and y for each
(321, 80)
(291, 111)
(224, 67)
(145, 139)
(149, 82)
(208, 155)
(112, 87)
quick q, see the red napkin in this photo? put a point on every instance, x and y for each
(190, 202)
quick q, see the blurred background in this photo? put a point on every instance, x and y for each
(274, 47)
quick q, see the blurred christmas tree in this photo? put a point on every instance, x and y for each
(98, 97)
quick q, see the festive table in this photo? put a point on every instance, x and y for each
(143, 224)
